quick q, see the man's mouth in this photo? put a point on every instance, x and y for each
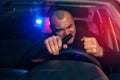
(67, 38)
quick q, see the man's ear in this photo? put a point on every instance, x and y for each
(53, 29)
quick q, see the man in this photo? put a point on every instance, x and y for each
(62, 24)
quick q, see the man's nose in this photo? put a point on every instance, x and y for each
(66, 32)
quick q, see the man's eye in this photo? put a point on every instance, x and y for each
(58, 30)
(69, 26)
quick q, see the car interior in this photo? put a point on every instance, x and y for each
(21, 33)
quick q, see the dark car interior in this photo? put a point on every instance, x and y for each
(20, 36)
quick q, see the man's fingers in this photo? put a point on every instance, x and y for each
(48, 46)
(91, 51)
(53, 47)
(88, 43)
(89, 40)
(59, 42)
(90, 46)
(53, 44)
(83, 38)
(65, 46)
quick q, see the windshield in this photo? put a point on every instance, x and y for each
(25, 24)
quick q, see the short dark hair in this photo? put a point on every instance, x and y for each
(59, 14)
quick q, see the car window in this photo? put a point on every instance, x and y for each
(108, 28)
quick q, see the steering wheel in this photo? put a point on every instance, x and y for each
(67, 69)
(76, 54)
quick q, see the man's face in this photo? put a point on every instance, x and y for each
(64, 27)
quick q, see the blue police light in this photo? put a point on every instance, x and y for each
(38, 23)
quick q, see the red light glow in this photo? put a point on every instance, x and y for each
(46, 28)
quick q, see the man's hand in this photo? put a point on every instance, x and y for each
(91, 46)
(54, 45)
